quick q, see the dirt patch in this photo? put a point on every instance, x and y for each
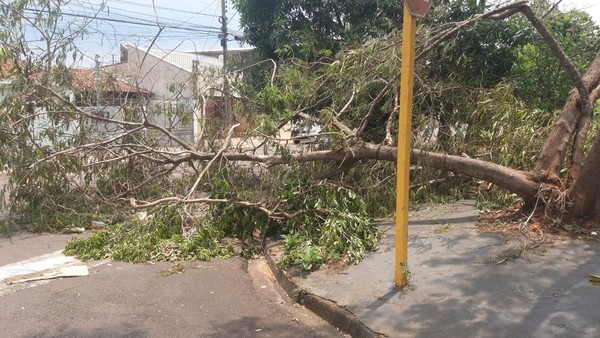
(336, 266)
(512, 221)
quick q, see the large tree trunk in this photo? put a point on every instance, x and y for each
(553, 153)
(584, 193)
(520, 182)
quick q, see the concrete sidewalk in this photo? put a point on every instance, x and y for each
(463, 284)
(25, 245)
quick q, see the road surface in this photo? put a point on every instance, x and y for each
(221, 298)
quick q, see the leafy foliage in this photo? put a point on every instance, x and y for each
(328, 221)
(334, 224)
(158, 237)
(475, 94)
(537, 76)
(7, 228)
(310, 29)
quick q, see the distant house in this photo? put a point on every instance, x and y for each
(100, 93)
(94, 92)
(236, 54)
(6, 78)
(178, 81)
(184, 86)
(101, 89)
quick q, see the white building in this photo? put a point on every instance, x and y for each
(182, 83)
(189, 84)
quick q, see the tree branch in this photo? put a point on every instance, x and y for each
(389, 139)
(374, 103)
(217, 156)
(277, 215)
(553, 152)
(497, 14)
(520, 182)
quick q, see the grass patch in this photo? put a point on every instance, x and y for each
(522, 250)
(8, 228)
(443, 229)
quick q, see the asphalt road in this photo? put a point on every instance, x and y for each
(221, 298)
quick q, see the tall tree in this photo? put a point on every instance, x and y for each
(361, 93)
(314, 28)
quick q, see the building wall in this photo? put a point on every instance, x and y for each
(154, 75)
(190, 75)
(4, 89)
(172, 85)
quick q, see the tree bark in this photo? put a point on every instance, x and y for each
(557, 143)
(584, 193)
(583, 128)
(520, 182)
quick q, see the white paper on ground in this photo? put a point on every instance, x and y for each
(47, 266)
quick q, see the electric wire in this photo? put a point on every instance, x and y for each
(200, 28)
(111, 25)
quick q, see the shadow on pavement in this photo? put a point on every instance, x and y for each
(458, 289)
(256, 327)
(116, 330)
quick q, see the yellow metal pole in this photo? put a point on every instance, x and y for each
(404, 138)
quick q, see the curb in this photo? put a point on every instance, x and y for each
(328, 310)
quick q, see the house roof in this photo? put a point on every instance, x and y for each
(182, 60)
(7, 69)
(240, 52)
(82, 79)
(85, 79)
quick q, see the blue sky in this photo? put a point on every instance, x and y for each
(189, 24)
(592, 7)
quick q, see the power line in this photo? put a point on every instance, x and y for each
(106, 28)
(191, 28)
(213, 20)
(165, 8)
(136, 21)
(118, 11)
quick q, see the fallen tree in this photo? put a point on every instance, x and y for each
(138, 162)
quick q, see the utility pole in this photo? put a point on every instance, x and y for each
(196, 128)
(413, 9)
(227, 118)
(97, 81)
